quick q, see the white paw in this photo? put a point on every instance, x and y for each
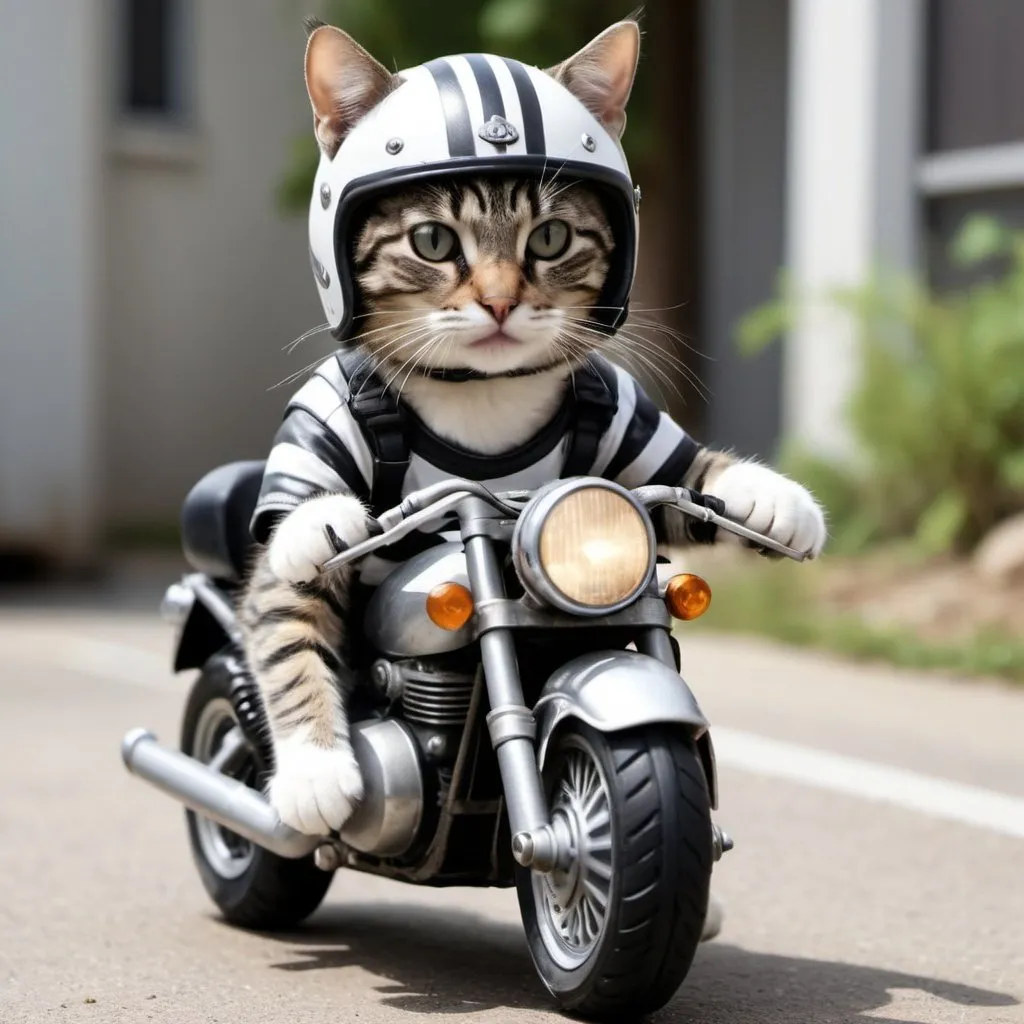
(300, 544)
(315, 789)
(772, 504)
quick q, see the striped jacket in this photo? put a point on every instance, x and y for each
(320, 448)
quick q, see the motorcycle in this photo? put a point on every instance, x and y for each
(521, 721)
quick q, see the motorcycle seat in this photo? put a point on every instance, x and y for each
(215, 518)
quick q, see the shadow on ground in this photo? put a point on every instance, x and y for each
(453, 962)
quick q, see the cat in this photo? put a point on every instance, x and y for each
(491, 273)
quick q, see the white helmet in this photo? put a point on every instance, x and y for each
(468, 114)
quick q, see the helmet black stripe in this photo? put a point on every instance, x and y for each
(533, 120)
(456, 110)
(490, 91)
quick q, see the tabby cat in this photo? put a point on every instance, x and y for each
(494, 274)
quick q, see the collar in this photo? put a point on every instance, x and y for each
(459, 374)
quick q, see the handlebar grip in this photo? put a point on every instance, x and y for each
(712, 502)
(708, 501)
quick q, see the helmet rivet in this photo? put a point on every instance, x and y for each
(394, 146)
(325, 195)
(637, 196)
(589, 143)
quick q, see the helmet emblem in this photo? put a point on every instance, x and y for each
(325, 195)
(498, 131)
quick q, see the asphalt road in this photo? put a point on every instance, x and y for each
(854, 893)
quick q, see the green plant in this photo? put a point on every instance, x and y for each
(783, 602)
(401, 33)
(938, 410)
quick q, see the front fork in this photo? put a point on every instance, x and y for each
(537, 842)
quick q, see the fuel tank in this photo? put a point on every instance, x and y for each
(396, 621)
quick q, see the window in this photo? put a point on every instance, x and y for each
(156, 60)
(974, 138)
(975, 75)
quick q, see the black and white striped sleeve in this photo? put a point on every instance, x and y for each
(643, 445)
(318, 449)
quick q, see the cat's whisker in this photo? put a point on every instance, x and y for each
(388, 352)
(411, 362)
(418, 360)
(293, 344)
(638, 356)
(420, 340)
(654, 349)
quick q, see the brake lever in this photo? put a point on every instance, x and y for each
(706, 514)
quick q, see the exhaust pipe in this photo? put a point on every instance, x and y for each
(224, 800)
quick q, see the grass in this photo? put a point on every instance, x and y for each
(780, 602)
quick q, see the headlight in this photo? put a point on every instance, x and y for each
(585, 547)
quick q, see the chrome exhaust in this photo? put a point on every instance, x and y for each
(222, 799)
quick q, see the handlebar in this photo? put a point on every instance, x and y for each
(437, 500)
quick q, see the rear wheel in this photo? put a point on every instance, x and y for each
(252, 887)
(616, 932)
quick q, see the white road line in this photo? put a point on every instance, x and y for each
(940, 798)
(101, 659)
(118, 661)
(759, 755)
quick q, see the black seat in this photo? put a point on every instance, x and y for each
(215, 520)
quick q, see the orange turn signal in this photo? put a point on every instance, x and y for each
(687, 596)
(449, 605)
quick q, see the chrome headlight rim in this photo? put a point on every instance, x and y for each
(526, 547)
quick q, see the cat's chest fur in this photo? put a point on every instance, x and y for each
(488, 416)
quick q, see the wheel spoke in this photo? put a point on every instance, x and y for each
(595, 892)
(599, 821)
(592, 866)
(591, 918)
(594, 800)
(231, 752)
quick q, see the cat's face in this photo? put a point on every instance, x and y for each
(493, 274)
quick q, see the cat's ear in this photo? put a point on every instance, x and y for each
(343, 81)
(601, 75)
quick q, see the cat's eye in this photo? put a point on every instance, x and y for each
(434, 242)
(549, 240)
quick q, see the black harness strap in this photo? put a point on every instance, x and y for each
(596, 402)
(383, 424)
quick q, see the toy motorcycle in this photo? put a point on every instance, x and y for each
(521, 721)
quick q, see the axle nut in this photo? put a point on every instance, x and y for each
(326, 857)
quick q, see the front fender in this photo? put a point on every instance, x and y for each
(615, 690)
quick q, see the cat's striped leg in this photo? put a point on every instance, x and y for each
(295, 635)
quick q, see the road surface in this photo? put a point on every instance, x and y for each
(878, 872)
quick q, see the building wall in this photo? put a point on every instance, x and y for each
(745, 70)
(50, 234)
(206, 280)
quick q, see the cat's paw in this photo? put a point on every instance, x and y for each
(301, 543)
(772, 504)
(315, 789)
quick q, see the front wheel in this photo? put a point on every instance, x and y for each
(616, 932)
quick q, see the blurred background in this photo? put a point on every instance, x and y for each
(158, 155)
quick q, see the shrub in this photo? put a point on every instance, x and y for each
(938, 410)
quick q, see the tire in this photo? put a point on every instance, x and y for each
(252, 887)
(655, 849)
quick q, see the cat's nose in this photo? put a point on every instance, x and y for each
(500, 306)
